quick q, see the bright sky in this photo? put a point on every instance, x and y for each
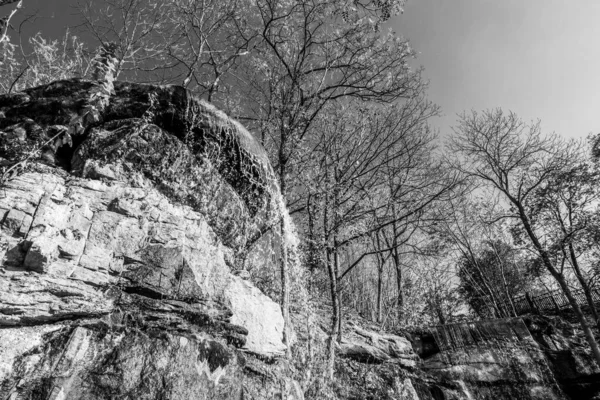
(538, 58)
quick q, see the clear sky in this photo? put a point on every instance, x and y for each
(538, 58)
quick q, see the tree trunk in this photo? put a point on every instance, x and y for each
(333, 290)
(284, 267)
(313, 248)
(396, 257)
(379, 291)
(336, 258)
(584, 285)
(561, 281)
(285, 289)
(584, 325)
(337, 306)
(379, 281)
(400, 297)
(510, 312)
(331, 343)
(440, 314)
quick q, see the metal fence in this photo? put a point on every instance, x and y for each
(550, 302)
(500, 331)
(477, 333)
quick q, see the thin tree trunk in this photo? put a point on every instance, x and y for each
(396, 257)
(285, 288)
(337, 306)
(379, 281)
(312, 247)
(584, 325)
(575, 264)
(400, 296)
(284, 267)
(334, 314)
(331, 342)
(584, 285)
(336, 257)
(440, 314)
(508, 302)
(561, 281)
(508, 294)
(379, 290)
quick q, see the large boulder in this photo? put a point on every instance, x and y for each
(118, 253)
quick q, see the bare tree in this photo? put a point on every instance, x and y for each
(502, 152)
(298, 56)
(485, 255)
(310, 54)
(35, 60)
(369, 170)
(138, 28)
(194, 43)
(5, 22)
(565, 207)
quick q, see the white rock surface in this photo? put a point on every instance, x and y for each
(65, 241)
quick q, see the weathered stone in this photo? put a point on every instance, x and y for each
(259, 314)
(373, 347)
(85, 363)
(18, 341)
(363, 353)
(37, 299)
(117, 249)
(41, 253)
(405, 389)
(96, 258)
(17, 222)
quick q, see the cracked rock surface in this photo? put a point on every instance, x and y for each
(116, 255)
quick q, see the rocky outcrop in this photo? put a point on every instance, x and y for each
(567, 353)
(65, 237)
(495, 372)
(531, 358)
(117, 253)
(372, 347)
(371, 364)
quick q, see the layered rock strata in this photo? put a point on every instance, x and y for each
(117, 250)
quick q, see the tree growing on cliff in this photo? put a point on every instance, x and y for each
(193, 43)
(515, 160)
(138, 29)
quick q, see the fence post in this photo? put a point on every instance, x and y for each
(555, 303)
(532, 304)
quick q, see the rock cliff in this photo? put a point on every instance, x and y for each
(118, 251)
(517, 358)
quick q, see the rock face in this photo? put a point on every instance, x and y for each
(535, 358)
(116, 254)
(496, 373)
(566, 351)
(373, 347)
